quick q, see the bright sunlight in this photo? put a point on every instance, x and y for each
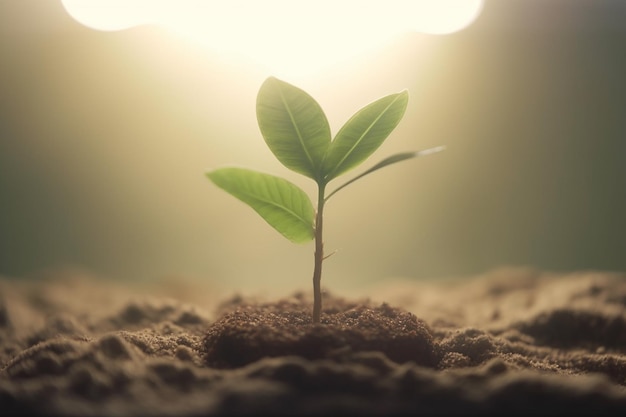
(284, 35)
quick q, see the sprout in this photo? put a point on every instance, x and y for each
(297, 132)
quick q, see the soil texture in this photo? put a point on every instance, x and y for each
(512, 341)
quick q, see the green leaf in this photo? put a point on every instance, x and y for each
(285, 206)
(388, 161)
(363, 134)
(294, 126)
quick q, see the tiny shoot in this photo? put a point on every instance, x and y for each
(297, 132)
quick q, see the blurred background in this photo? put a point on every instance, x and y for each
(105, 137)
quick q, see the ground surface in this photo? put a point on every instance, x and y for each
(513, 340)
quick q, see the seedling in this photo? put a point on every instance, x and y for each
(297, 132)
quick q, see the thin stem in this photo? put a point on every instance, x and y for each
(318, 256)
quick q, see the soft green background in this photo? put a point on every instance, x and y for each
(105, 138)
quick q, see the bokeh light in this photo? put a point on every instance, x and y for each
(289, 37)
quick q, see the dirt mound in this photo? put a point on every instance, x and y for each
(254, 331)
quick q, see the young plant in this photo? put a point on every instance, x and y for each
(297, 132)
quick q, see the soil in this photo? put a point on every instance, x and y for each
(514, 340)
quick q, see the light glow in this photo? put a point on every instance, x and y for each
(282, 33)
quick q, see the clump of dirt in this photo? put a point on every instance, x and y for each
(249, 331)
(589, 329)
